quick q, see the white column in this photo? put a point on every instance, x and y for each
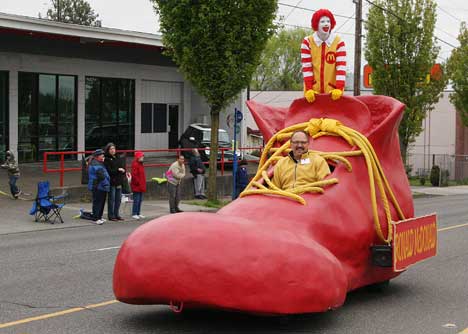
(187, 106)
(13, 116)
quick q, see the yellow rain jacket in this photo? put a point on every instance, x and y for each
(289, 173)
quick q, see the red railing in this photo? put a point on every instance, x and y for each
(62, 170)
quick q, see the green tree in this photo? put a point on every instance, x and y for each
(280, 63)
(458, 69)
(217, 45)
(401, 48)
(73, 11)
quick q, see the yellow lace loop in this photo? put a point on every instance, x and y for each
(317, 127)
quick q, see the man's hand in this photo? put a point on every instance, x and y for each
(310, 95)
(121, 170)
(336, 94)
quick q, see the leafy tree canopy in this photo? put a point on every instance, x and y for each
(401, 49)
(458, 69)
(73, 11)
(216, 44)
(280, 63)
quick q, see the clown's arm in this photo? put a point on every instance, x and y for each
(340, 71)
(307, 70)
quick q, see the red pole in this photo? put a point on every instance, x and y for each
(222, 161)
(62, 167)
(44, 163)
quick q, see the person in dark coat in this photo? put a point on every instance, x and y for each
(98, 184)
(115, 166)
(242, 177)
(138, 184)
(197, 168)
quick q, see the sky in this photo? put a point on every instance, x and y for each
(138, 15)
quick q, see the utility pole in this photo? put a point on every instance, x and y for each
(58, 10)
(357, 48)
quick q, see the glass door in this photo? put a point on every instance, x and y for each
(46, 115)
(4, 92)
(47, 109)
(173, 125)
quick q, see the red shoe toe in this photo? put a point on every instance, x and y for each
(224, 262)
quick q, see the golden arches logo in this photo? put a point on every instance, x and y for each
(330, 57)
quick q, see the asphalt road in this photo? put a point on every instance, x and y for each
(46, 274)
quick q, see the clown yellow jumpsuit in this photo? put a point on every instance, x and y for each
(323, 63)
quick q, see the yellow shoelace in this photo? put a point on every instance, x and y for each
(317, 127)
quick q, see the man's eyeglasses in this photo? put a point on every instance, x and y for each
(299, 142)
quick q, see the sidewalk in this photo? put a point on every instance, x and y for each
(14, 214)
(15, 218)
(440, 191)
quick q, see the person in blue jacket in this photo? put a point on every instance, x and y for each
(242, 177)
(98, 184)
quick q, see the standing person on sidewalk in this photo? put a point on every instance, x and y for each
(138, 184)
(99, 184)
(115, 166)
(11, 166)
(242, 177)
(174, 175)
(198, 171)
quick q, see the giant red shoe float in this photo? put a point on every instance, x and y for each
(270, 254)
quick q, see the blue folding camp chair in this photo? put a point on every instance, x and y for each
(45, 206)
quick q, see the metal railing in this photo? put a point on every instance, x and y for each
(165, 153)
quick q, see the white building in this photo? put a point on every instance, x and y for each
(72, 87)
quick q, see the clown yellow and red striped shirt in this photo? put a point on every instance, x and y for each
(323, 63)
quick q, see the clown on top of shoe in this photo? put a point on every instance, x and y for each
(323, 56)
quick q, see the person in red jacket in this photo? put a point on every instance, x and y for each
(138, 184)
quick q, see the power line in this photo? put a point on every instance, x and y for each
(298, 26)
(342, 25)
(447, 33)
(308, 9)
(292, 10)
(403, 20)
(449, 14)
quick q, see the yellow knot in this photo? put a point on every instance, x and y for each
(316, 125)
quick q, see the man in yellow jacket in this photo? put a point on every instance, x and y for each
(300, 167)
(323, 57)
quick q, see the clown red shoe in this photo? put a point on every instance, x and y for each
(275, 252)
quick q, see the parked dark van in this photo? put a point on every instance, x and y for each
(198, 135)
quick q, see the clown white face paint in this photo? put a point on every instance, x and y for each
(324, 28)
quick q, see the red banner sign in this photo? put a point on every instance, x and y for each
(414, 240)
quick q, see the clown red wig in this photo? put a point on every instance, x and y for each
(318, 15)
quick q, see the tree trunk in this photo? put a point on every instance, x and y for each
(212, 193)
(404, 149)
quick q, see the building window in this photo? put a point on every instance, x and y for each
(47, 115)
(154, 117)
(110, 113)
(3, 114)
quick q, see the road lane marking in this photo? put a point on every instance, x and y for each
(78, 309)
(103, 249)
(56, 314)
(451, 227)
